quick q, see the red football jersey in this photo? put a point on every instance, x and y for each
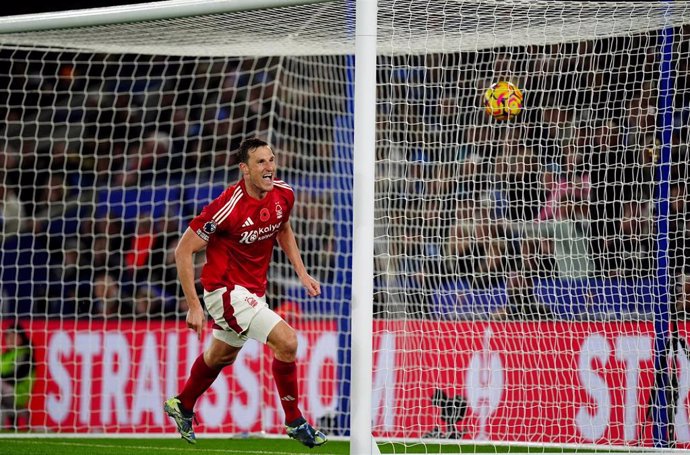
(241, 232)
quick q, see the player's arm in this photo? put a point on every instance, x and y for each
(189, 244)
(286, 240)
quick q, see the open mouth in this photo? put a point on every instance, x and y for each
(268, 177)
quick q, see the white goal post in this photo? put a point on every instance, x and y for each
(485, 283)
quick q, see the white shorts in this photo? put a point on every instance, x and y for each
(239, 315)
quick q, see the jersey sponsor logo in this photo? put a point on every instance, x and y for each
(248, 237)
(264, 215)
(248, 222)
(263, 233)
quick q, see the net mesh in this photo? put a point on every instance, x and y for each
(326, 28)
(516, 264)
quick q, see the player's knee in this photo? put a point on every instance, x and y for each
(218, 360)
(291, 343)
(286, 346)
(227, 360)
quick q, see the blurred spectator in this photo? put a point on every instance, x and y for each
(51, 197)
(679, 230)
(567, 186)
(682, 297)
(314, 232)
(612, 182)
(554, 130)
(55, 212)
(161, 272)
(564, 219)
(408, 268)
(148, 302)
(442, 128)
(69, 280)
(641, 115)
(17, 372)
(12, 214)
(104, 244)
(478, 249)
(533, 260)
(520, 182)
(139, 248)
(149, 161)
(477, 157)
(630, 252)
(108, 299)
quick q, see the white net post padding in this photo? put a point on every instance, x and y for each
(516, 264)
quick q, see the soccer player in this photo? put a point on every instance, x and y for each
(238, 230)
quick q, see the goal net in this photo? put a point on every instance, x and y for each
(530, 280)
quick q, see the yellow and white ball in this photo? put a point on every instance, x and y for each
(503, 100)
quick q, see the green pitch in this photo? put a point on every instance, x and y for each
(152, 446)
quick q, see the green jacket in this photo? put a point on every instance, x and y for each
(17, 369)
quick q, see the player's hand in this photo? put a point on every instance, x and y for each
(196, 319)
(311, 285)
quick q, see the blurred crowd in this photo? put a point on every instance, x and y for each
(565, 193)
(104, 160)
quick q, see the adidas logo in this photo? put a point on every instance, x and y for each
(248, 222)
(287, 398)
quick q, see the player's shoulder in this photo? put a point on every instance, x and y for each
(284, 192)
(234, 191)
(228, 199)
(282, 185)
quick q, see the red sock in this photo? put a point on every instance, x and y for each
(200, 379)
(285, 375)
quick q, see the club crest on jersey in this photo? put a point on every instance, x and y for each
(251, 301)
(210, 227)
(279, 210)
(264, 215)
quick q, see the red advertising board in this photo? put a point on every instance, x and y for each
(95, 376)
(537, 382)
(551, 382)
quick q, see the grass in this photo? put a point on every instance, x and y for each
(154, 446)
(150, 446)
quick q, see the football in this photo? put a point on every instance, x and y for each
(503, 100)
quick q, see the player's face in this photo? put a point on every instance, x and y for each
(259, 170)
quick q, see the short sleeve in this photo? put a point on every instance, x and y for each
(204, 224)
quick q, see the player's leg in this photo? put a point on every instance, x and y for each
(204, 371)
(267, 327)
(282, 340)
(223, 350)
(207, 367)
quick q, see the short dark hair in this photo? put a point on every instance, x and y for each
(247, 146)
